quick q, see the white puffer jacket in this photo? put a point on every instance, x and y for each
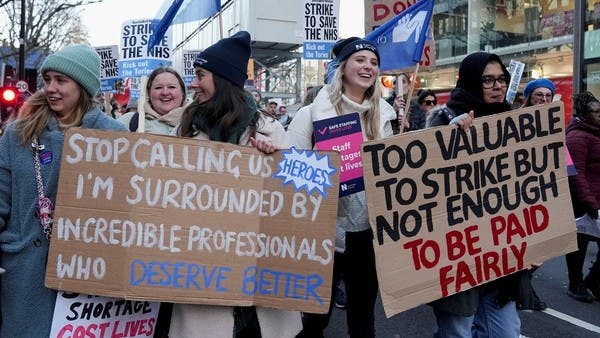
(352, 215)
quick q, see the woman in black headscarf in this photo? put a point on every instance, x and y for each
(489, 309)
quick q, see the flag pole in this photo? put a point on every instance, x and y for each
(141, 108)
(408, 99)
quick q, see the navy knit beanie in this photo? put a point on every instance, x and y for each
(79, 62)
(538, 83)
(228, 58)
(346, 47)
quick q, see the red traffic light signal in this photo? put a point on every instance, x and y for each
(8, 95)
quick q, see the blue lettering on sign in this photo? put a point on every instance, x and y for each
(267, 282)
(178, 275)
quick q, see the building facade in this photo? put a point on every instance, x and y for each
(554, 39)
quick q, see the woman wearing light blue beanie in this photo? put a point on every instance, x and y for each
(71, 80)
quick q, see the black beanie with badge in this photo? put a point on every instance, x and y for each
(346, 47)
(228, 58)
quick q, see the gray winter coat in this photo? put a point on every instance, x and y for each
(27, 305)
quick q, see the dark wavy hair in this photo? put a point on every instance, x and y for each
(219, 115)
(581, 102)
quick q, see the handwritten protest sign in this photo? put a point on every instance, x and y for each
(161, 218)
(452, 209)
(77, 315)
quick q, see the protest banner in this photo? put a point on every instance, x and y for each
(378, 12)
(77, 315)
(189, 74)
(109, 70)
(135, 59)
(321, 28)
(142, 216)
(452, 209)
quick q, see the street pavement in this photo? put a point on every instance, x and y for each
(564, 318)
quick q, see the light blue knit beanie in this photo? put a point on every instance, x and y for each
(79, 62)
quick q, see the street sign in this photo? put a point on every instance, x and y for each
(22, 86)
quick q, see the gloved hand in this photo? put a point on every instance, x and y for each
(464, 121)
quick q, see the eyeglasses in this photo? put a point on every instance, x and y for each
(430, 102)
(542, 95)
(489, 81)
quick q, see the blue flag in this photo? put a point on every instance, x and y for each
(160, 27)
(192, 10)
(401, 40)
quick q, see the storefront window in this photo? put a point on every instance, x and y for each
(538, 33)
(591, 48)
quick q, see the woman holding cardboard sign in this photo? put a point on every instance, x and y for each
(30, 154)
(488, 310)
(352, 89)
(223, 111)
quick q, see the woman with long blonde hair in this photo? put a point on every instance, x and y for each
(352, 89)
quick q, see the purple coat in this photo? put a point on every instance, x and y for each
(583, 142)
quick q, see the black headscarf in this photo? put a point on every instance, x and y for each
(468, 94)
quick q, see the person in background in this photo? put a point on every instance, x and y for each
(132, 106)
(283, 117)
(115, 109)
(223, 111)
(352, 89)
(399, 104)
(583, 143)
(538, 91)
(427, 100)
(256, 95)
(166, 97)
(272, 108)
(488, 310)
(35, 139)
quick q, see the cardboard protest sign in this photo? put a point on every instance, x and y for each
(77, 315)
(141, 216)
(344, 134)
(452, 209)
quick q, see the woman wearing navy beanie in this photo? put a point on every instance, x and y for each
(223, 111)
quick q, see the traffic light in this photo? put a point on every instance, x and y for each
(8, 96)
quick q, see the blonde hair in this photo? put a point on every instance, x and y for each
(35, 114)
(372, 94)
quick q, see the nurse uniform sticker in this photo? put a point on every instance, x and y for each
(306, 169)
